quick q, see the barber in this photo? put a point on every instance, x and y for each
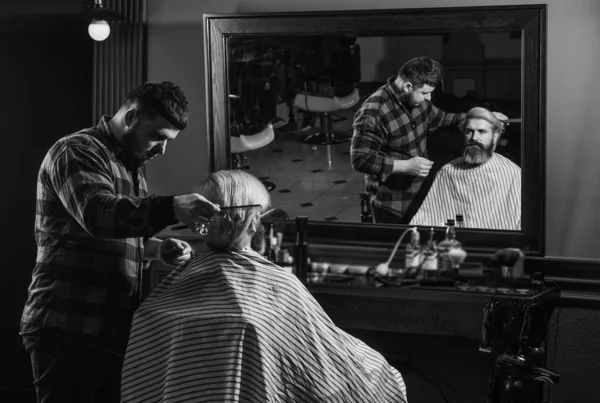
(93, 228)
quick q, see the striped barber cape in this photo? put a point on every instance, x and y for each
(234, 327)
(487, 195)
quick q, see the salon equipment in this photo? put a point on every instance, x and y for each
(513, 331)
(429, 267)
(366, 209)
(247, 206)
(301, 248)
(324, 107)
(511, 261)
(274, 215)
(241, 144)
(324, 80)
(457, 256)
(413, 254)
(383, 268)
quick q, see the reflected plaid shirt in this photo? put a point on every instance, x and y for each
(385, 130)
(92, 219)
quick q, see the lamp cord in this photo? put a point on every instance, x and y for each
(421, 373)
(397, 245)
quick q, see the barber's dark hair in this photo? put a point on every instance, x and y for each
(164, 98)
(420, 71)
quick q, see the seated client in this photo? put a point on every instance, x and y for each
(232, 326)
(483, 186)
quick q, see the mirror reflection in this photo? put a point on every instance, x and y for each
(337, 134)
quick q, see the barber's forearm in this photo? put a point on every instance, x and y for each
(400, 166)
(371, 163)
(151, 249)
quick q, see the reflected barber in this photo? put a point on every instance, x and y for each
(93, 228)
(389, 143)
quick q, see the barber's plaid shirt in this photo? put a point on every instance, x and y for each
(92, 219)
(385, 130)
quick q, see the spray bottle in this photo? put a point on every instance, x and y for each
(414, 255)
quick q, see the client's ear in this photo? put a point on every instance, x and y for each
(254, 223)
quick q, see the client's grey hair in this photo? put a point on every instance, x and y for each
(484, 114)
(233, 188)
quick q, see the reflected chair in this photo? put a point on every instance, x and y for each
(243, 143)
(324, 107)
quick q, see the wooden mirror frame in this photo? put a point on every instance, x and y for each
(529, 19)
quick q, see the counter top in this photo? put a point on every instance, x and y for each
(578, 280)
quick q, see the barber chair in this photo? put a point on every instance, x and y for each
(327, 84)
(243, 143)
(324, 107)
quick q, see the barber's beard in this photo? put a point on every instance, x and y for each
(130, 144)
(258, 241)
(409, 101)
(477, 154)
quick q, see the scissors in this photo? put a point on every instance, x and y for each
(202, 227)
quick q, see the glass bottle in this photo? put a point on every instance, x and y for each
(413, 253)
(271, 244)
(460, 221)
(446, 245)
(429, 268)
(365, 208)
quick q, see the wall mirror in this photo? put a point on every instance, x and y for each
(283, 89)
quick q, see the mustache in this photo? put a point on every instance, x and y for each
(475, 143)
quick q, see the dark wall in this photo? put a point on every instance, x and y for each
(574, 352)
(45, 93)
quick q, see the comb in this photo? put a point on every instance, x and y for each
(246, 206)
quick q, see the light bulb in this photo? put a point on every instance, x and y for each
(99, 30)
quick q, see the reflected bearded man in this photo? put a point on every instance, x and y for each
(233, 326)
(483, 186)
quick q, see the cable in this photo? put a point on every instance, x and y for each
(439, 388)
(406, 367)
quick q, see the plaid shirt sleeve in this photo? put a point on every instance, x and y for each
(439, 118)
(84, 181)
(367, 141)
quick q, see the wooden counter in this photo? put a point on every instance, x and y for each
(364, 304)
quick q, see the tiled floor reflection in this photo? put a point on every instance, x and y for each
(311, 180)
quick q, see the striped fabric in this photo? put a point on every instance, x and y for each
(487, 195)
(385, 130)
(92, 216)
(234, 327)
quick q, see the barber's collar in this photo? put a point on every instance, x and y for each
(113, 143)
(393, 87)
(396, 92)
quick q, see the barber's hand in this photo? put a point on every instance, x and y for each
(418, 166)
(500, 116)
(174, 252)
(194, 209)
